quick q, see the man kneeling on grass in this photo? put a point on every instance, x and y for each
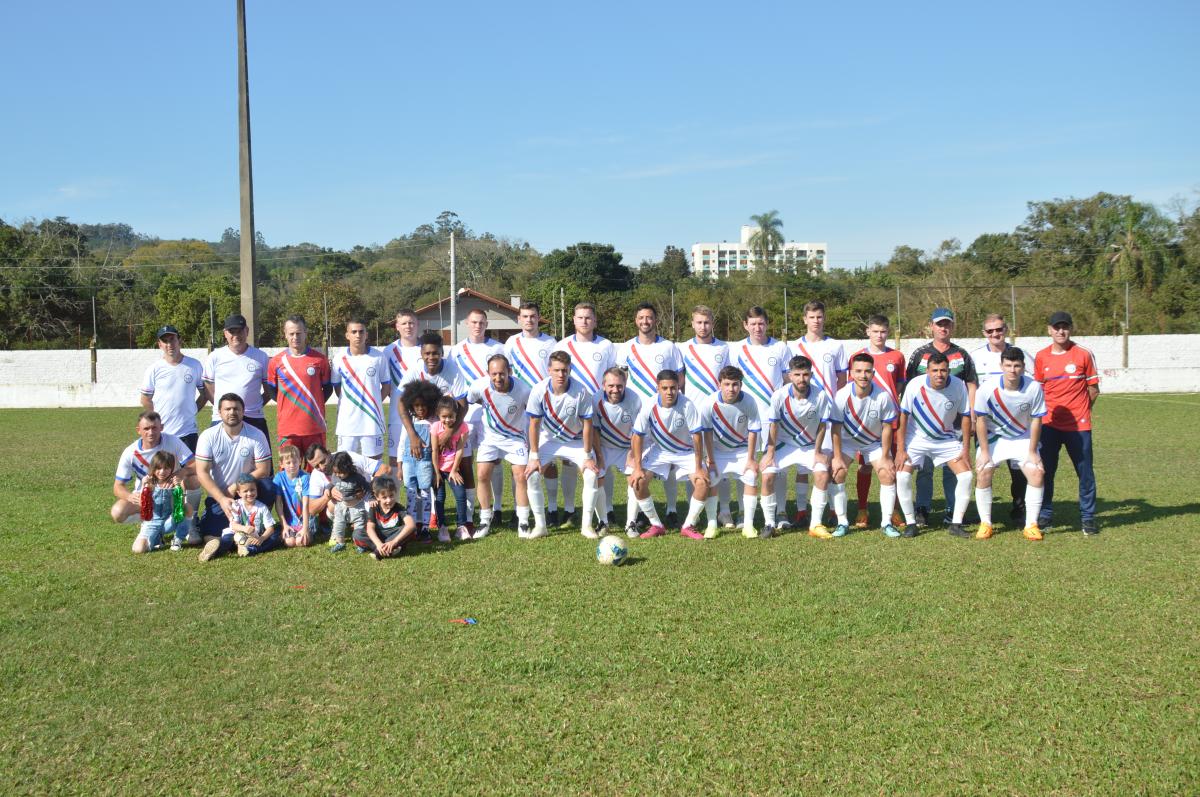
(134, 465)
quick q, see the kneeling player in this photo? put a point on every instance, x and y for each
(933, 414)
(504, 423)
(863, 413)
(676, 434)
(1008, 422)
(796, 429)
(732, 429)
(616, 410)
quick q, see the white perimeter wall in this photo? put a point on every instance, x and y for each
(1159, 364)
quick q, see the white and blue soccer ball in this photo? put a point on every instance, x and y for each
(611, 550)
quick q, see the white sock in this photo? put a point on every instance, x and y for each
(497, 488)
(768, 508)
(819, 499)
(569, 478)
(695, 507)
(723, 494)
(983, 504)
(1033, 503)
(470, 503)
(710, 510)
(904, 486)
(601, 504)
(962, 495)
(838, 492)
(551, 493)
(802, 494)
(589, 499)
(485, 516)
(749, 504)
(537, 499)
(523, 515)
(672, 490)
(887, 503)
(631, 506)
(647, 507)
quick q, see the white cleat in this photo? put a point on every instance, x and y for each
(725, 520)
(538, 531)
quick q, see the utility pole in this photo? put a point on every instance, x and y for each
(244, 177)
(453, 294)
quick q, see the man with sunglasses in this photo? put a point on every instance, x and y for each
(986, 359)
(942, 327)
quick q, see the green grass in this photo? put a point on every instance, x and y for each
(790, 666)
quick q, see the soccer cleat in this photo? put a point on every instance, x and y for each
(890, 530)
(568, 519)
(523, 531)
(443, 534)
(1090, 529)
(841, 530)
(1032, 532)
(922, 518)
(602, 529)
(653, 531)
(691, 533)
(749, 532)
(481, 532)
(910, 530)
(820, 532)
(984, 532)
(589, 533)
(671, 520)
(801, 519)
(209, 550)
(463, 533)
(862, 520)
(767, 533)
(725, 520)
(783, 524)
(336, 547)
(712, 532)
(176, 544)
(538, 531)
(632, 531)
(957, 530)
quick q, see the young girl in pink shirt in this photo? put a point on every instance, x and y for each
(448, 434)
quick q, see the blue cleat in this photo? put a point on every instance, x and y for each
(841, 530)
(890, 531)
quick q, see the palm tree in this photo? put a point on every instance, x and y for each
(767, 238)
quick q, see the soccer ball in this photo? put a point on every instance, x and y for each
(611, 550)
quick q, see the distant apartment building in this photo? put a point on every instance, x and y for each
(719, 259)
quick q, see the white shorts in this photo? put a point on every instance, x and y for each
(552, 448)
(732, 465)
(365, 444)
(616, 458)
(1004, 450)
(805, 460)
(919, 449)
(851, 449)
(493, 449)
(662, 463)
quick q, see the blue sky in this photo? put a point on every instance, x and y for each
(868, 125)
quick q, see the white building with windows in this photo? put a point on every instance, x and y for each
(719, 259)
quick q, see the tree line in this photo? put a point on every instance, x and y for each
(1100, 257)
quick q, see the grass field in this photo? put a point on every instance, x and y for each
(862, 665)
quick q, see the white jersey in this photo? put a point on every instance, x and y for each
(644, 361)
(987, 363)
(828, 358)
(731, 423)
(503, 413)
(669, 429)
(589, 359)
(135, 460)
(614, 422)
(562, 415)
(401, 359)
(933, 414)
(231, 456)
(702, 364)
(529, 357)
(243, 374)
(863, 418)
(471, 358)
(799, 418)
(764, 369)
(360, 401)
(174, 388)
(1009, 413)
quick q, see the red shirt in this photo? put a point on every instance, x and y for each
(1065, 378)
(889, 370)
(299, 382)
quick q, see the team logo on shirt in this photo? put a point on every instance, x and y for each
(244, 451)
(872, 413)
(370, 370)
(597, 356)
(311, 370)
(772, 361)
(544, 354)
(828, 357)
(659, 359)
(251, 366)
(676, 422)
(511, 411)
(945, 405)
(187, 377)
(1023, 406)
(718, 358)
(891, 367)
(624, 417)
(1070, 369)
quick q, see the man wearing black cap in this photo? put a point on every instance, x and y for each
(1071, 383)
(174, 388)
(961, 365)
(241, 369)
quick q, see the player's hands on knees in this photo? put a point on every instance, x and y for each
(838, 469)
(982, 464)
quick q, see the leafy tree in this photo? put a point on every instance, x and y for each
(999, 252)
(768, 237)
(323, 302)
(39, 303)
(184, 302)
(667, 273)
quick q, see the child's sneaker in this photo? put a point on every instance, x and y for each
(176, 544)
(210, 549)
(243, 549)
(481, 532)
(193, 537)
(423, 536)
(336, 546)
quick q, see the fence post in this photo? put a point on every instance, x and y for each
(1012, 293)
(897, 316)
(1125, 332)
(785, 314)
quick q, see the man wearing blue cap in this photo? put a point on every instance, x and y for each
(962, 366)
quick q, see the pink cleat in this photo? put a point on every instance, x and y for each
(691, 533)
(653, 531)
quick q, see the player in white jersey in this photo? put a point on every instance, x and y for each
(361, 377)
(560, 413)
(797, 423)
(529, 355)
(934, 411)
(1008, 425)
(863, 414)
(503, 401)
(732, 429)
(238, 368)
(404, 353)
(643, 357)
(134, 465)
(828, 357)
(616, 410)
(591, 355)
(173, 386)
(703, 357)
(434, 368)
(763, 360)
(986, 360)
(471, 356)
(668, 436)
